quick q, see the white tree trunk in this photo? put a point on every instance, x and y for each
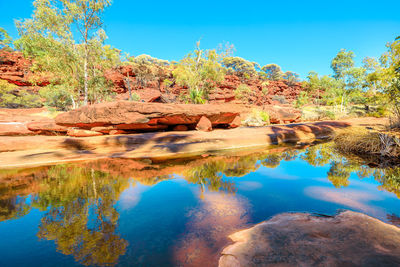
(85, 101)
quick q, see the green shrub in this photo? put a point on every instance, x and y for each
(257, 118)
(135, 97)
(56, 96)
(242, 92)
(11, 97)
(197, 96)
(302, 99)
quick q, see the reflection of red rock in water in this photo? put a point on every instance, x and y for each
(208, 228)
(299, 239)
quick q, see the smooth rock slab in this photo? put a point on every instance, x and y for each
(299, 239)
(129, 115)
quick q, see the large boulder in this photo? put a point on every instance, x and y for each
(282, 114)
(299, 239)
(128, 115)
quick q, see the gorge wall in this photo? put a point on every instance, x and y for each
(15, 69)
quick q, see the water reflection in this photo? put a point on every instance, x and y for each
(78, 201)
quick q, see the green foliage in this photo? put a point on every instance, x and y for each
(148, 69)
(256, 118)
(66, 40)
(302, 99)
(56, 96)
(271, 72)
(80, 215)
(343, 61)
(135, 97)
(197, 96)
(5, 39)
(11, 97)
(199, 71)
(241, 67)
(291, 77)
(242, 92)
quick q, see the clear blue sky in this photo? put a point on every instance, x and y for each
(298, 35)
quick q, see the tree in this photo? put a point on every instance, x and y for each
(390, 73)
(241, 67)
(291, 77)
(342, 62)
(352, 78)
(80, 214)
(66, 39)
(199, 71)
(5, 39)
(147, 68)
(272, 72)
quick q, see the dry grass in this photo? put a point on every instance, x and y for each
(361, 141)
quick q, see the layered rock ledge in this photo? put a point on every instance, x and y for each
(19, 151)
(299, 239)
(137, 116)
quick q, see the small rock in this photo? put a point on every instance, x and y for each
(204, 124)
(82, 133)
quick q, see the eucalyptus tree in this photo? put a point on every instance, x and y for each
(66, 39)
(291, 77)
(272, 72)
(241, 67)
(199, 71)
(5, 39)
(352, 78)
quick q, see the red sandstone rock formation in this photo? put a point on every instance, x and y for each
(137, 116)
(14, 68)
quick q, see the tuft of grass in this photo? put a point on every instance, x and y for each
(361, 141)
(257, 118)
(242, 92)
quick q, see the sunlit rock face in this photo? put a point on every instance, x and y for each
(126, 115)
(300, 239)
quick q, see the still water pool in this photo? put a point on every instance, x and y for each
(138, 213)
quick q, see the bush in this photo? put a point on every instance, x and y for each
(56, 96)
(302, 99)
(11, 97)
(135, 97)
(242, 92)
(257, 118)
(197, 96)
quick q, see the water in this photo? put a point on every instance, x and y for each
(138, 213)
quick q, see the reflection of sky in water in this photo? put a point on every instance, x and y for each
(175, 221)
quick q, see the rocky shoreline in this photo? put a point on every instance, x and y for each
(22, 151)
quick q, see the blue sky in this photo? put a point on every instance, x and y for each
(298, 35)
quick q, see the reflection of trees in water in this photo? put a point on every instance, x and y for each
(342, 166)
(13, 208)
(80, 215)
(79, 200)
